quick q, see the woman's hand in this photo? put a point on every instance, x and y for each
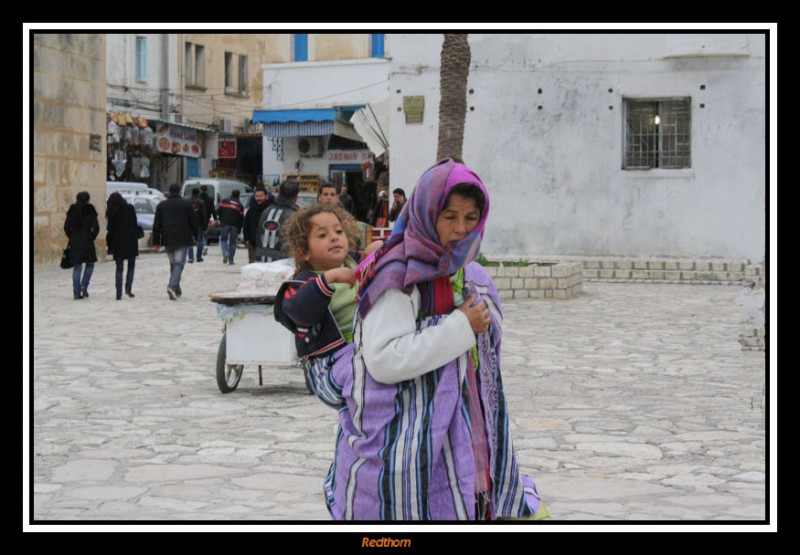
(478, 315)
(341, 275)
(375, 245)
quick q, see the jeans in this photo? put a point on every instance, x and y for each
(202, 239)
(77, 283)
(177, 260)
(227, 241)
(128, 276)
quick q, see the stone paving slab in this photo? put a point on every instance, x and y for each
(629, 402)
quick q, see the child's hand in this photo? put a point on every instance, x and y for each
(478, 315)
(341, 275)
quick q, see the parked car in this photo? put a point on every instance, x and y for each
(145, 207)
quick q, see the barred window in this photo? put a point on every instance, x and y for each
(658, 134)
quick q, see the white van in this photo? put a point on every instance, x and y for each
(218, 189)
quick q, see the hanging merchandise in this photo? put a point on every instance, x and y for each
(126, 134)
(134, 136)
(119, 161)
(145, 167)
(113, 133)
(146, 137)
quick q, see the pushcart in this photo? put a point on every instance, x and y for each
(251, 337)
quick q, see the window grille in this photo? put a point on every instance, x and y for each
(657, 134)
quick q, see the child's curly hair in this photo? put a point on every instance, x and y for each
(294, 235)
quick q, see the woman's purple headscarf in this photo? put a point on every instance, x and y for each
(414, 254)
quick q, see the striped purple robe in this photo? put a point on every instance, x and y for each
(404, 451)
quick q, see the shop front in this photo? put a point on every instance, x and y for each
(320, 145)
(152, 151)
(240, 157)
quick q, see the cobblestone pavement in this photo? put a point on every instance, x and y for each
(631, 402)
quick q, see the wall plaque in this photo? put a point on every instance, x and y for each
(414, 107)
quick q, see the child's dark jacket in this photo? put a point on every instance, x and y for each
(302, 307)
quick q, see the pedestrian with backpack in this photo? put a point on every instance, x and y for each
(268, 243)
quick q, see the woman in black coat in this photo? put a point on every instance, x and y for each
(82, 228)
(122, 238)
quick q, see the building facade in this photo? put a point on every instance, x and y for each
(69, 124)
(308, 107)
(601, 144)
(196, 93)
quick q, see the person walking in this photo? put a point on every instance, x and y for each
(251, 217)
(81, 227)
(175, 228)
(231, 220)
(211, 215)
(122, 238)
(201, 216)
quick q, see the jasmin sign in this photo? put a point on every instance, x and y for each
(349, 156)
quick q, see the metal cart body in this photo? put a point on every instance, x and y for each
(251, 337)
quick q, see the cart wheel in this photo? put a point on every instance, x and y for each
(228, 375)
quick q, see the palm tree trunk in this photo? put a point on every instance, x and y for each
(453, 75)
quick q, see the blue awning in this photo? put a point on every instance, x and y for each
(298, 116)
(296, 123)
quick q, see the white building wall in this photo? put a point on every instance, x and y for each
(555, 172)
(307, 85)
(123, 92)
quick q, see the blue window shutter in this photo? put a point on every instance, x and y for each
(301, 48)
(377, 45)
(141, 58)
(192, 167)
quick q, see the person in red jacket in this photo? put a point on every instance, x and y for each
(231, 220)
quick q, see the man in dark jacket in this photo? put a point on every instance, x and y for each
(201, 217)
(174, 227)
(268, 242)
(231, 219)
(251, 218)
(211, 214)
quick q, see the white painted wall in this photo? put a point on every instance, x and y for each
(144, 97)
(324, 84)
(555, 173)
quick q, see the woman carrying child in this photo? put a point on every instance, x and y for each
(423, 423)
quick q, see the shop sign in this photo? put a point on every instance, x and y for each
(181, 141)
(226, 147)
(352, 156)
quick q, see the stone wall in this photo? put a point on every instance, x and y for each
(669, 270)
(69, 134)
(753, 334)
(541, 280)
